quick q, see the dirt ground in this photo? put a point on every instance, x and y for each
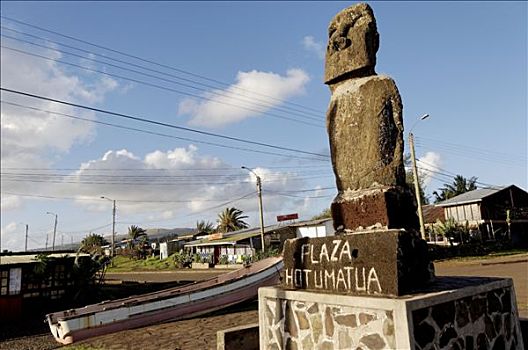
(200, 333)
(515, 267)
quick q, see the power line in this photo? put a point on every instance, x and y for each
(449, 173)
(150, 132)
(267, 104)
(119, 200)
(163, 169)
(146, 60)
(158, 86)
(473, 149)
(144, 120)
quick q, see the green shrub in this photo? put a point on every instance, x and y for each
(224, 260)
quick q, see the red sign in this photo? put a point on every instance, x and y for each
(287, 217)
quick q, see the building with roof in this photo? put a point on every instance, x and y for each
(496, 211)
(29, 281)
(246, 242)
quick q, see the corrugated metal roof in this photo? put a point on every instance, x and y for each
(227, 240)
(32, 258)
(309, 222)
(233, 237)
(471, 196)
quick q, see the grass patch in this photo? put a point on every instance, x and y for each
(125, 264)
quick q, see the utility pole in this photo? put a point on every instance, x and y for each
(259, 193)
(417, 186)
(113, 229)
(113, 224)
(54, 233)
(27, 228)
(54, 230)
(46, 242)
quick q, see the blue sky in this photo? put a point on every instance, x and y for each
(465, 64)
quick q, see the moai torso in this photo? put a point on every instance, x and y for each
(365, 129)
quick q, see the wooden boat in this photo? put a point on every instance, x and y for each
(170, 304)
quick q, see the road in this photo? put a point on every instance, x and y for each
(200, 333)
(515, 267)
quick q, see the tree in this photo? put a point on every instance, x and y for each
(460, 185)
(135, 233)
(205, 227)
(92, 243)
(231, 219)
(326, 213)
(409, 179)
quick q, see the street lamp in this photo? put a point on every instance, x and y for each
(259, 193)
(54, 229)
(415, 176)
(113, 223)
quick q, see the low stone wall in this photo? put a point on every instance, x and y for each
(238, 338)
(455, 313)
(482, 321)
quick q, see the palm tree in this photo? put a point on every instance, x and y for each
(92, 243)
(460, 185)
(205, 227)
(231, 219)
(135, 233)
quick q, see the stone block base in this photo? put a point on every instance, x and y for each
(242, 338)
(383, 208)
(454, 313)
(374, 262)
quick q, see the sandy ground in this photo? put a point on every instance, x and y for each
(200, 333)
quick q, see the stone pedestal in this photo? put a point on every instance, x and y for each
(452, 313)
(391, 207)
(374, 262)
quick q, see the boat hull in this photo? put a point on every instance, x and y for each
(216, 297)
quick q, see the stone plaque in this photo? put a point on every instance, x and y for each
(385, 262)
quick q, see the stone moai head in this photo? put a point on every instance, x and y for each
(353, 41)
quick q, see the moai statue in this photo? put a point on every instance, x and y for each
(365, 128)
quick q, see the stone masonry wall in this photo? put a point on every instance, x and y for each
(482, 321)
(307, 325)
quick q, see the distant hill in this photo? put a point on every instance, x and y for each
(160, 233)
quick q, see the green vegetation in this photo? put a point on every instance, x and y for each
(205, 227)
(460, 185)
(231, 219)
(326, 213)
(92, 244)
(125, 264)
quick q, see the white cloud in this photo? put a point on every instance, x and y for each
(316, 47)
(255, 91)
(11, 238)
(10, 202)
(431, 163)
(34, 138)
(163, 185)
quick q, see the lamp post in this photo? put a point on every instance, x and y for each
(259, 193)
(27, 229)
(113, 223)
(54, 230)
(415, 176)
